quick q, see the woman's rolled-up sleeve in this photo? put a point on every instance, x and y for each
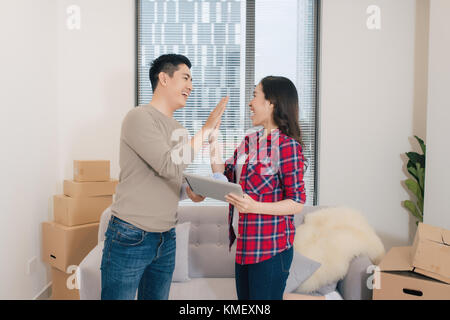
(231, 162)
(292, 164)
(229, 167)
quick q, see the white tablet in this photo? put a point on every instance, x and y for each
(210, 187)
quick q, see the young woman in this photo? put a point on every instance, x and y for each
(269, 166)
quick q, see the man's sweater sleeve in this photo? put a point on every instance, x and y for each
(183, 192)
(141, 133)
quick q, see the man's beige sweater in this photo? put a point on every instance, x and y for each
(150, 180)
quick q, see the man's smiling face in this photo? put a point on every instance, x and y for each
(180, 86)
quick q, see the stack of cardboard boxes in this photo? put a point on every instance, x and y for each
(418, 272)
(73, 233)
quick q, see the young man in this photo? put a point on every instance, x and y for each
(139, 251)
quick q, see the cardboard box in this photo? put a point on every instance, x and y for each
(91, 170)
(76, 189)
(67, 246)
(77, 211)
(397, 279)
(64, 286)
(431, 252)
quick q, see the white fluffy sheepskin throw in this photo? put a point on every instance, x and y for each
(333, 237)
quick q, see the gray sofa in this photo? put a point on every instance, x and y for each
(210, 264)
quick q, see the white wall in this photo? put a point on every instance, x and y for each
(96, 81)
(28, 131)
(63, 97)
(437, 176)
(371, 104)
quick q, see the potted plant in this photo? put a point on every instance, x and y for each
(416, 168)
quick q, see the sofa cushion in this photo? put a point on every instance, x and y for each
(181, 272)
(209, 255)
(328, 288)
(355, 284)
(301, 269)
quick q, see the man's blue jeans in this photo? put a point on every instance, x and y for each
(264, 280)
(135, 260)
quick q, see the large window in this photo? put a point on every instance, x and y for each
(232, 45)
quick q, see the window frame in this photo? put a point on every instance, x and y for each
(250, 75)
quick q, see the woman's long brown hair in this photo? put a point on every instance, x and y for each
(281, 92)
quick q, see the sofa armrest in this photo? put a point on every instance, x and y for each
(89, 274)
(354, 285)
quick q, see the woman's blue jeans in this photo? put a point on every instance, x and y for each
(135, 260)
(264, 280)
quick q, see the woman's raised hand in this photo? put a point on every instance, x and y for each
(214, 133)
(216, 114)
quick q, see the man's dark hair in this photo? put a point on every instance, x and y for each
(167, 63)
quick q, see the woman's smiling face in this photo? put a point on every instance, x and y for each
(261, 109)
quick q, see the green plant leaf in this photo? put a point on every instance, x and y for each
(412, 208)
(420, 206)
(413, 172)
(414, 158)
(422, 144)
(414, 187)
(416, 168)
(421, 178)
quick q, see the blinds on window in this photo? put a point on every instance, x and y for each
(307, 86)
(219, 37)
